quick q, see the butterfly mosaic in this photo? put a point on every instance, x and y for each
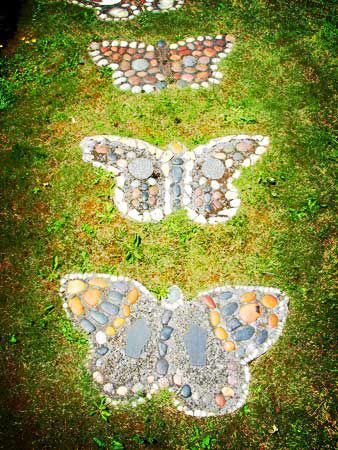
(117, 10)
(138, 67)
(152, 183)
(198, 350)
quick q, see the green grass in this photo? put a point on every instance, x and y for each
(57, 218)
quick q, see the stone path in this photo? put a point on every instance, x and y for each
(199, 350)
(139, 67)
(152, 183)
(116, 10)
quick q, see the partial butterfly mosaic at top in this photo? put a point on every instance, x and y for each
(116, 10)
(139, 67)
(152, 183)
(198, 350)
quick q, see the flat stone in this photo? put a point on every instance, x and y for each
(92, 296)
(189, 61)
(225, 295)
(99, 282)
(140, 64)
(195, 341)
(233, 324)
(185, 391)
(141, 168)
(115, 296)
(75, 287)
(121, 286)
(250, 313)
(229, 309)
(166, 316)
(243, 334)
(100, 338)
(174, 293)
(177, 173)
(99, 317)
(162, 366)
(118, 322)
(213, 168)
(119, 13)
(76, 306)
(269, 301)
(261, 337)
(101, 351)
(138, 335)
(87, 326)
(166, 333)
(162, 349)
(227, 391)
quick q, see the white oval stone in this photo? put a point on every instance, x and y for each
(101, 338)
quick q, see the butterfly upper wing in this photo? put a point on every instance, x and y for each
(194, 61)
(163, 5)
(136, 65)
(209, 176)
(122, 321)
(246, 320)
(140, 169)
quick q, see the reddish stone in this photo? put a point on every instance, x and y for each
(176, 67)
(187, 77)
(202, 67)
(141, 74)
(137, 56)
(149, 55)
(185, 52)
(131, 51)
(154, 63)
(135, 81)
(190, 70)
(116, 57)
(220, 400)
(208, 43)
(218, 48)
(209, 301)
(127, 57)
(175, 57)
(130, 73)
(125, 65)
(202, 75)
(150, 80)
(106, 54)
(122, 50)
(114, 49)
(217, 204)
(197, 53)
(177, 76)
(209, 52)
(104, 49)
(220, 42)
(153, 70)
(204, 60)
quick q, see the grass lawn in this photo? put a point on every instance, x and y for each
(57, 217)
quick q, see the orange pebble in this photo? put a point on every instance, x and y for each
(220, 400)
(273, 320)
(269, 301)
(76, 306)
(209, 301)
(133, 295)
(92, 296)
(126, 310)
(248, 297)
(229, 346)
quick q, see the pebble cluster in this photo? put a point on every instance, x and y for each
(152, 183)
(197, 350)
(117, 10)
(138, 67)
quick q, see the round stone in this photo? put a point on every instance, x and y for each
(227, 391)
(133, 295)
(98, 377)
(141, 168)
(269, 301)
(220, 333)
(87, 326)
(229, 346)
(273, 320)
(248, 297)
(119, 13)
(189, 61)
(100, 338)
(185, 391)
(122, 391)
(101, 351)
(220, 400)
(140, 65)
(76, 306)
(214, 318)
(118, 322)
(213, 168)
(110, 331)
(250, 313)
(230, 309)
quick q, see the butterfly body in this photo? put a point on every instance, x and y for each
(121, 10)
(143, 346)
(139, 67)
(152, 183)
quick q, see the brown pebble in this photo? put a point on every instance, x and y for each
(248, 297)
(273, 320)
(99, 282)
(269, 301)
(76, 306)
(202, 75)
(209, 52)
(133, 295)
(250, 313)
(92, 296)
(209, 301)
(220, 400)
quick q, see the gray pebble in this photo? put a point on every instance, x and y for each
(178, 161)
(87, 326)
(243, 334)
(162, 366)
(166, 316)
(185, 391)
(115, 296)
(233, 324)
(237, 156)
(121, 286)
(225, 295)
(229, 309)
(162, 349)
(139, 65)
(177, 173)
(102, 351)
(109, 308)
(99, 317)
(166, 333)
(262, 337)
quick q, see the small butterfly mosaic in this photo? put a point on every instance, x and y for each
(198, 350)
(139, 67)
(120, 10)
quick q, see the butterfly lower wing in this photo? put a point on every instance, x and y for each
(136, 65)
(122, 320)
(141, 183)
(163, 5)
(112, 10)
(209, 176)
(194, 61)
(246, 320)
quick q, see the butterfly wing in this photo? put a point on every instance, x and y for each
(140, 169)
(209, 177)
(162, 5)
(122, 321)
(136, 65)
(194, 61)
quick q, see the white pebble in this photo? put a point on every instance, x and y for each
(101, 338)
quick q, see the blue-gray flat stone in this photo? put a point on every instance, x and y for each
(138, 335)
(121, 286)
(189, 61)
(139, 65)
(225, 295)
(87, 326)
(166, 333)
(161, 84)
(174, 293)
(177, 190)
(213, 168)
(237, 156)
(141, 168)
(162, 349)
(195, 342)
(243, 334)
(185, 391)
(109, 308)
(115, 296)
(229, 309)
(177, 173)
(102, 350)
(162, 366)
(99, 317)
(233, 324)
(178, 161)
(262, 337)
(166, 316)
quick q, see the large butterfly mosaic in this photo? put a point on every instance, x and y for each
(116, 10)
(138, 67)
(199, 350)
(152, 183)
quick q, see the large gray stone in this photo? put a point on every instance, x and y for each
(138, 336)
(139, 65)
(243, 334)
(213, 168)
(189, 61)
(141, 168)
(195, 342)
